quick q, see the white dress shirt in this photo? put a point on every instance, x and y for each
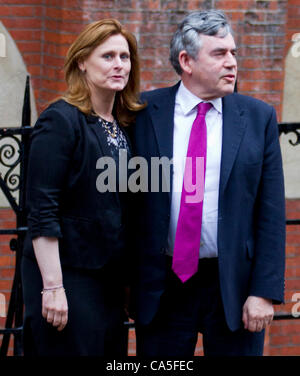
(184, 116)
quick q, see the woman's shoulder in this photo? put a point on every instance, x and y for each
(61, 117)
(63, 107)
(61, 112)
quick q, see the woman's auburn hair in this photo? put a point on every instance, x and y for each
(78, 93)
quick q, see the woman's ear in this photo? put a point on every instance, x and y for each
(184, 61)
(81, 66)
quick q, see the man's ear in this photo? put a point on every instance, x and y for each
(184, 61)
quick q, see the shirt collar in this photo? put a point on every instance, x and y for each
(188, 101)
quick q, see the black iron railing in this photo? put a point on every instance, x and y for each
(16, 151)
(287, 128)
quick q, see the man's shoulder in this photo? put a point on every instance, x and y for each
(158, 94)
(247, 102)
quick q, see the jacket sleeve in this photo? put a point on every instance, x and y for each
(269, 264)
(50, 158)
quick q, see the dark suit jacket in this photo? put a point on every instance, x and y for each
(62, 197)
(251, 224)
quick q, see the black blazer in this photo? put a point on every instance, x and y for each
(62, 197)
(251, 222)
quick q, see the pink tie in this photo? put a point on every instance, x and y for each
(188, 233)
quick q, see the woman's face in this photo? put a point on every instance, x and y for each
(107, 68)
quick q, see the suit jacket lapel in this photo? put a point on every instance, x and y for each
(234, 126)
(162, 116)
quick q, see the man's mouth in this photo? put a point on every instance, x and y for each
(229, 77)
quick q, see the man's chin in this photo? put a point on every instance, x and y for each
(229, 89)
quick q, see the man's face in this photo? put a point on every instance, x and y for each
(213, 73)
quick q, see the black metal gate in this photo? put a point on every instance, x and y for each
(14, 319)
(16, 183)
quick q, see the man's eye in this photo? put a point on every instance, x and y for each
(219, 55)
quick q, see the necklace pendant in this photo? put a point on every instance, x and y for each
(111, 128)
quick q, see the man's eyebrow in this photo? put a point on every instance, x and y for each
(221, 49)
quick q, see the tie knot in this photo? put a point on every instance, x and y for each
(203, 108)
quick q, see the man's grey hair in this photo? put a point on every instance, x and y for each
(186, 37)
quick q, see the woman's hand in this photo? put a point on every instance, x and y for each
(54, 301)
(55, 307)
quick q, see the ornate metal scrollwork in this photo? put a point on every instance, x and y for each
(291, 128)
(10, 158)
(297, 142)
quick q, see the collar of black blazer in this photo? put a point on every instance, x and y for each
(91, 118)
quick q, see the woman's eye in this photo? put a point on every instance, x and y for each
(124, 56)
(107, 56)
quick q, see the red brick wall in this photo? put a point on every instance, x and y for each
(43, 30)
(7, 258)
(7, 263)
(284, 336)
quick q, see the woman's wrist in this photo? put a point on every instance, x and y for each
(50, 283)
(52, 289)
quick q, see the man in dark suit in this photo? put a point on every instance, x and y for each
(212, 265)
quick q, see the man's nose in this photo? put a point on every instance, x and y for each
(230, 60)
